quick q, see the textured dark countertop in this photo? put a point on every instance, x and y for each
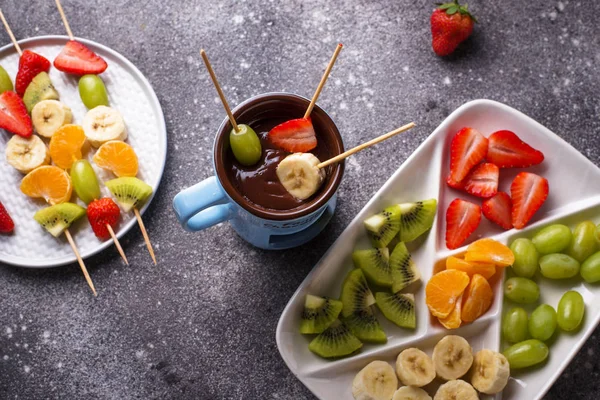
(202, 323)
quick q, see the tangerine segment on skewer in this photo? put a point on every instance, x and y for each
(490, 251)
(471, 267)
(48, 182)
(443, 290)
(117, 157)
(453, 320)
(65, 145)
(477, 298)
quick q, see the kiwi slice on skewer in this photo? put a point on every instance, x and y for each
(55, 219)
(382, 227)
(403, 268)
(375, 265)
(398, 308)
(416, 218)
(335, 341)
(365, 326)
(318, 313)
(130, 192)
(356, 294)
(40, 88)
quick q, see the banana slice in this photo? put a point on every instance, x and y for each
(102, 124)
(49, 115)
(376, 381)
(414, 367)
(299, 175)
(411, 393)
(26, 154)
(490, 371)
(452, 357)
(456, 390)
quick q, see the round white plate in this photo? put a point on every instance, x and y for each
(130, 93)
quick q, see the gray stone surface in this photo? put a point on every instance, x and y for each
(202, 323)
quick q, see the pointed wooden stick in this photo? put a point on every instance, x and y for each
(81, 264)
(219, 91)
(10, 34)
(117, 244)
(64, 20)
(146, 238)
(323, 80)
(365, 145)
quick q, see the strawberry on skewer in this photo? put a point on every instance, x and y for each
(6, 223)
(103, 215)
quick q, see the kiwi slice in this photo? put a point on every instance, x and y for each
(382, 227)
(404, 269)
(318, 313)
(130, 192)
(335, 341)
(40, 88)
(398, 308)
(416, 218)
(55, 219)
(356, 294)
(365, 326)
(375, 265)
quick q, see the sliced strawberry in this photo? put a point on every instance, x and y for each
(455, 185)
(76, 58)
(528, 192)
(103, 212)
(468, 148)
(507, 150)
(462, 218)
(482, 181)
(30, 64)
(294, 136)
(13, 115)
(498, 210)
(6, 223)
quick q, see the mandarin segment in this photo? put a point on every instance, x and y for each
(48, 182)
(117, 157)
(471, 267)
(490, 251)
(477, 298)
(443, 290)
(453, 320)
(66, 144)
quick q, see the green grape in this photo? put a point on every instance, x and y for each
(584, 242)
(525, 354)
(552, 239)
(245, 145)
(84, 181)
(92, 91)
(5, 82)
(526, 258)
(514, 325)
(590, 269)
(542, 322)
(559, 266)
(521, 290)
(571, 309)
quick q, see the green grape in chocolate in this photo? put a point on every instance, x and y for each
(5, 82)
(245, 145)
(92, 91)
(84, 181)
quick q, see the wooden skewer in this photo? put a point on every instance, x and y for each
(365, 145)
(117, 244)
(146, 238)
(10, 34)
(219, 91)
(81, 264)
(323, 80)
(64, 20)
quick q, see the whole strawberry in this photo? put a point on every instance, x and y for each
(451, 24)
(103, 212)
(6, 223)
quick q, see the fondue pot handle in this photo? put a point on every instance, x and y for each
(202, 205)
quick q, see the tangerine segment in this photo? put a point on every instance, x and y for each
(477, 299)
(443, 290)
(48, 182)
(472, 267)
(453, 320)
(65, 145)
(490, 251)
(117, 157)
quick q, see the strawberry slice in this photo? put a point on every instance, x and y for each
(6, 223)
(76, 58)
(482, 181)
(528, 192)
(462, 218)
(30, 64)
(294, 136)
(507, 150)
(498, 210)
(468, 148)
(13, 115)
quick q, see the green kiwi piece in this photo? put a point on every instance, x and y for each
(318, 313)
(356, 294)
(130, 192)
(365, 326)
(335, 341)
(375, 265)
(403, 268)
(382, 227)
(398, 308)
(40, 88)
(55, 219)
(416, 218)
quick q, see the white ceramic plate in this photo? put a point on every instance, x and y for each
(574, 196)
(131, 94)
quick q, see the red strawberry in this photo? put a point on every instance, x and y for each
(482, 181)
(13, 115)
(294, 136)
(455, 185)
(30, 64)
(507, 150)
(100, 213)
(528, 192)
(451, 24)
(468, 148)
(6, 223)
(462, 218)
(76, 58)
(498, 210)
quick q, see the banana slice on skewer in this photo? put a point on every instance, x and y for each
(456, 389)
(490, 372)
(376, 381)
(299, 175)
(49, 115)
(452, 357)
(26, 154)
(102, 124)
